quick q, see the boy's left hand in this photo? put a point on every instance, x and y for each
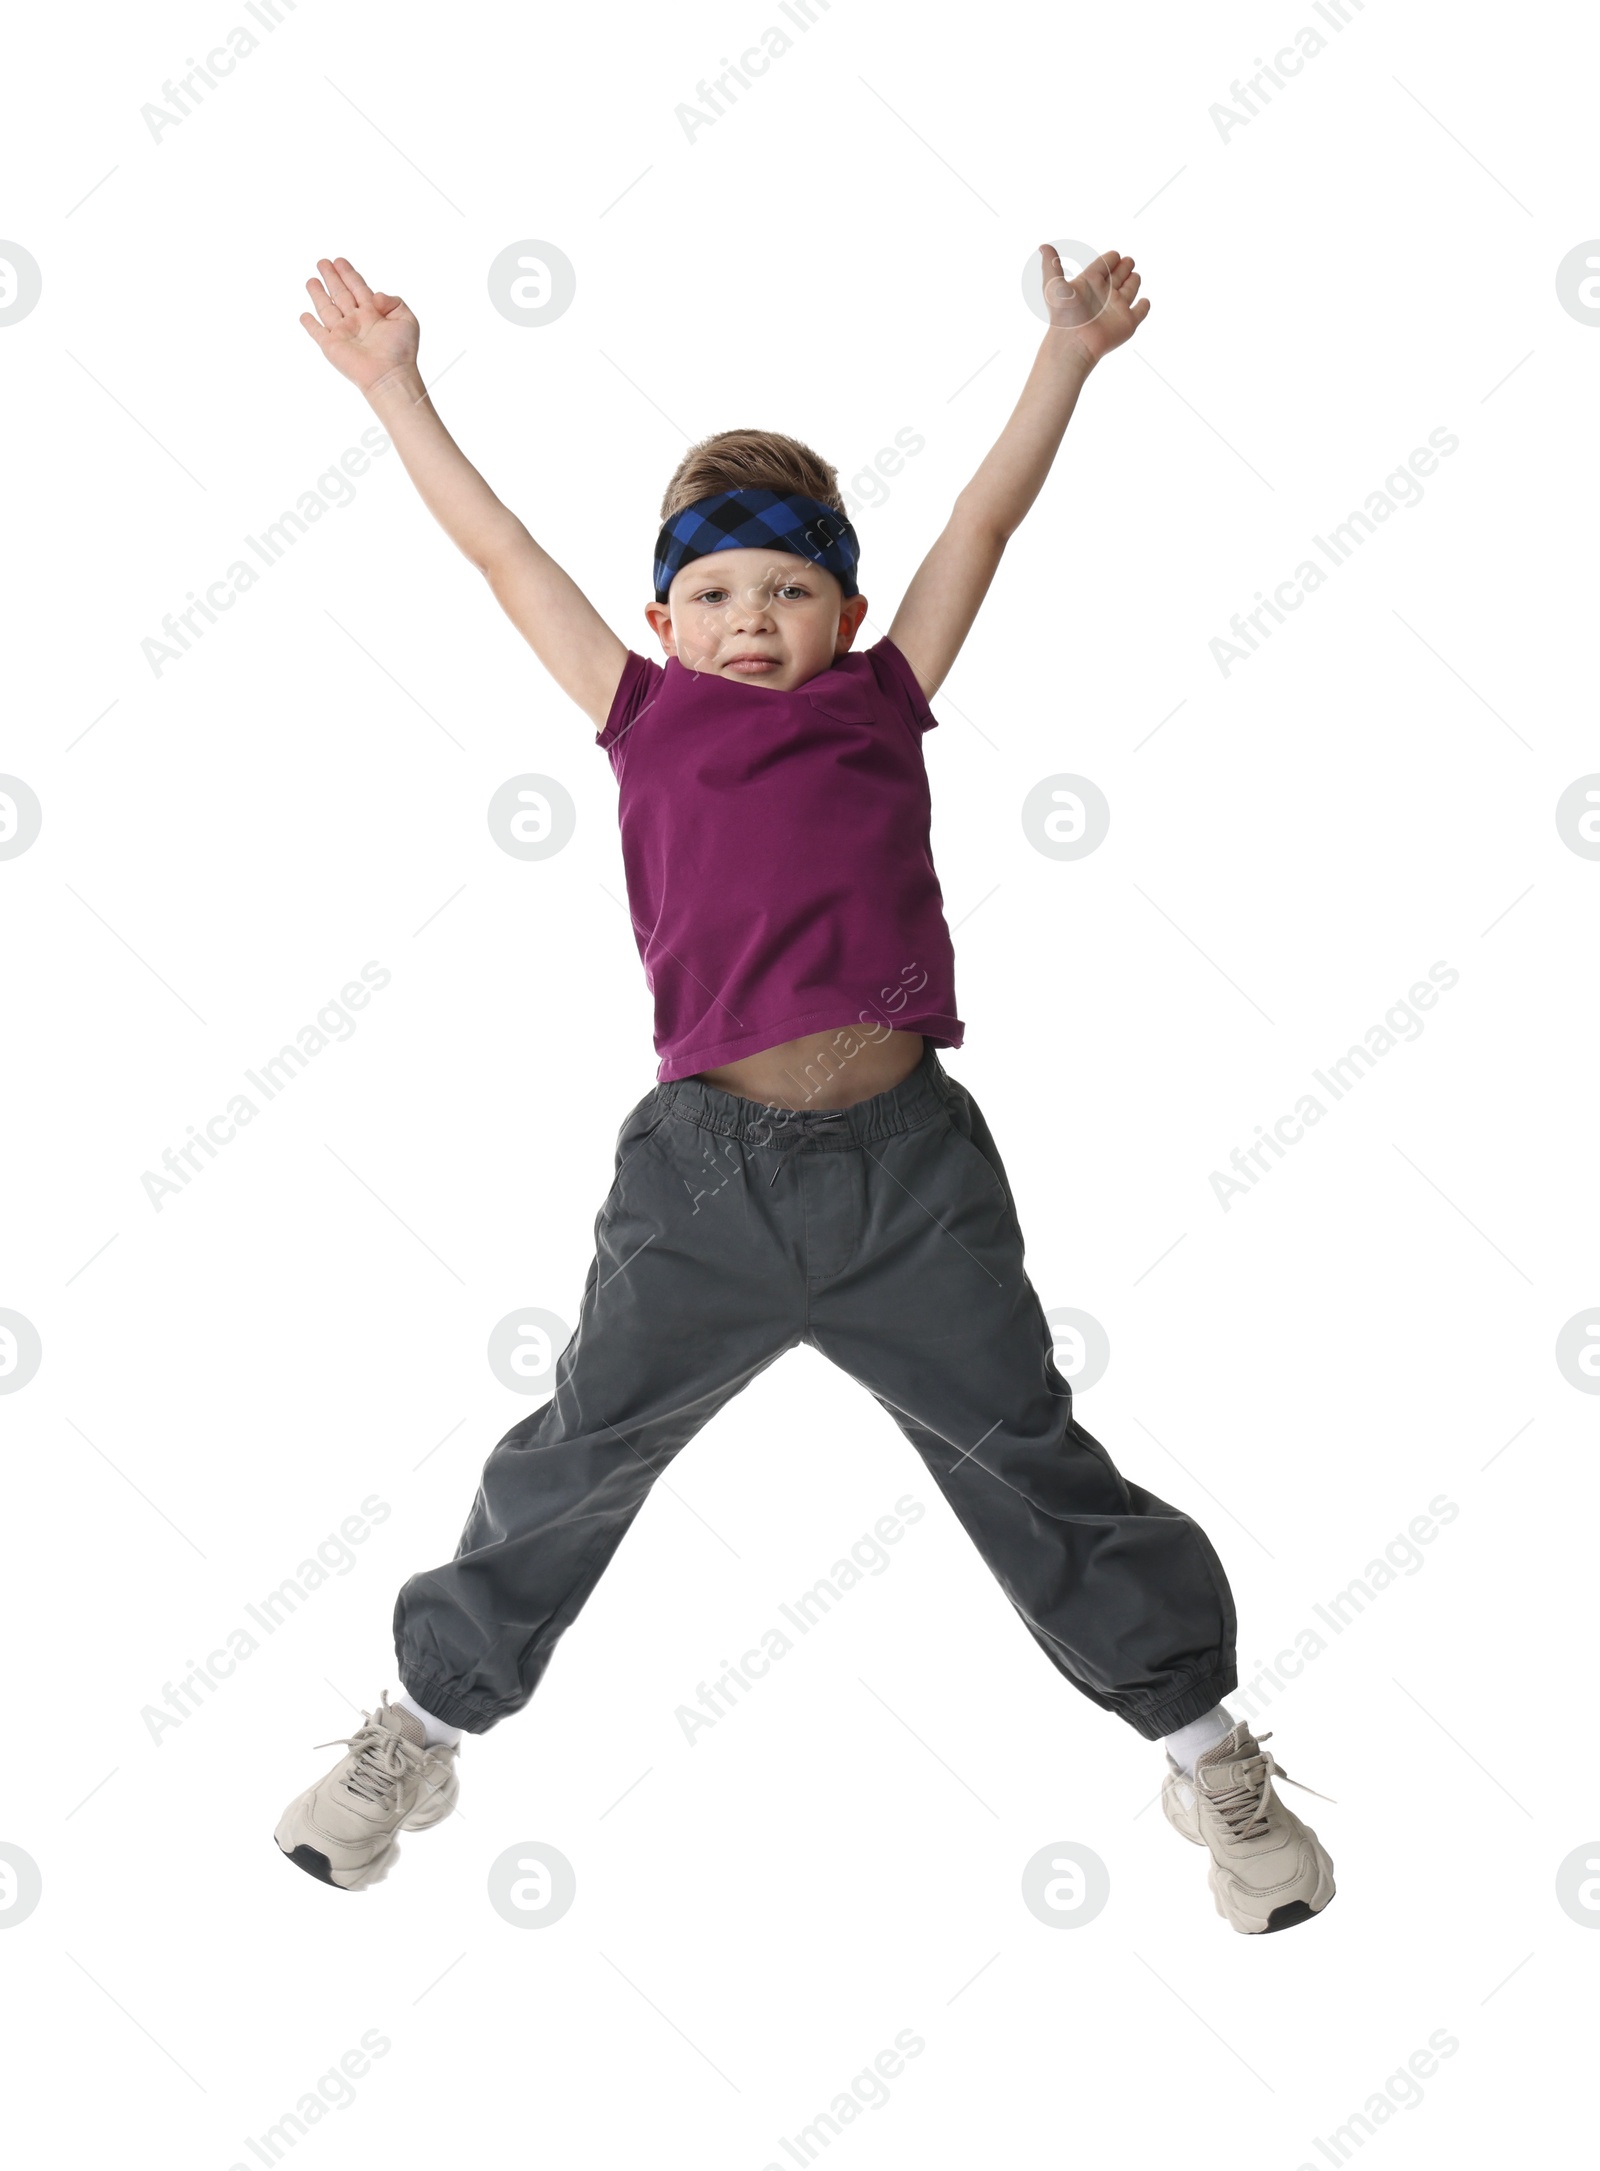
(1097, 307)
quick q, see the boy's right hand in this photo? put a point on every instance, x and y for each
(366, 336)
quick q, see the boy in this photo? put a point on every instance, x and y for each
(804, 1169)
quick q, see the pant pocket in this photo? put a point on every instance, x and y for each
(969, 1141)
(641, 1120)
(646, 1116)
(971, 1156)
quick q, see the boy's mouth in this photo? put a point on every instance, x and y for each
(751, 665)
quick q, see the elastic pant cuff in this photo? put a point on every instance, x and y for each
(445, 1702)
(1189, 1703)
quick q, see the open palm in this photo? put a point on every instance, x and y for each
(364, 335)
(1098, 307)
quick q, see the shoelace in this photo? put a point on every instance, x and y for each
(793, 1145)
(1243, 1807)
(384, 1758)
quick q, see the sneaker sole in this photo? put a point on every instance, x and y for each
(308, 1859)
(1285, 1918)
(316, 1864)
(1291, 1913)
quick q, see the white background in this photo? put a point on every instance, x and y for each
(1292, 845)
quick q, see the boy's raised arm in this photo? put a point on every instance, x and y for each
(1089, 316)
(372, 339)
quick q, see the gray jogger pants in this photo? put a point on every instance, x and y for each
(884, 1235)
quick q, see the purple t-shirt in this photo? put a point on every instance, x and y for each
(776, 848)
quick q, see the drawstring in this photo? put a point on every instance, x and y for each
(798, 1139)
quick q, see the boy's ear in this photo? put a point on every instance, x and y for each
(851, 612)
(660, 617)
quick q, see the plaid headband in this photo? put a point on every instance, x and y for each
(755, 520)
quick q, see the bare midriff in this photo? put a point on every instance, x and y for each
(821, 1070)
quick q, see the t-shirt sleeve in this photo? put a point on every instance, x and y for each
(636, 689)
(899, 682)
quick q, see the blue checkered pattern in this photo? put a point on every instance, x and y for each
(756, 520)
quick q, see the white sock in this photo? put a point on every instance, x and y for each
(1201, 1734)
(434, 1729)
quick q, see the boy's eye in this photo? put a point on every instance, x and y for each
(719, 595)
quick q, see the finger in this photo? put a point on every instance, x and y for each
(315, 329)
(1128, 288)
(343, 299)
(323, 303)
(1093, 283)
(1053, 270)
(353, 280)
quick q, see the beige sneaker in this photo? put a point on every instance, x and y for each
(343, 1829)
(1268, 1870)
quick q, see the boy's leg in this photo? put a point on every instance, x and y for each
(935, 1315)
(684, 1304)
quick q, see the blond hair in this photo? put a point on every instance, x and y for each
(751, 460)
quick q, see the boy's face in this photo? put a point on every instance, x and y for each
(763, 616)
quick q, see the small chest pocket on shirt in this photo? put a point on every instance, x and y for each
(845, 701)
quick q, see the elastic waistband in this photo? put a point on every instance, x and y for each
(922, 1093)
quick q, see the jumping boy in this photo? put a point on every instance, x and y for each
(804, 1169)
